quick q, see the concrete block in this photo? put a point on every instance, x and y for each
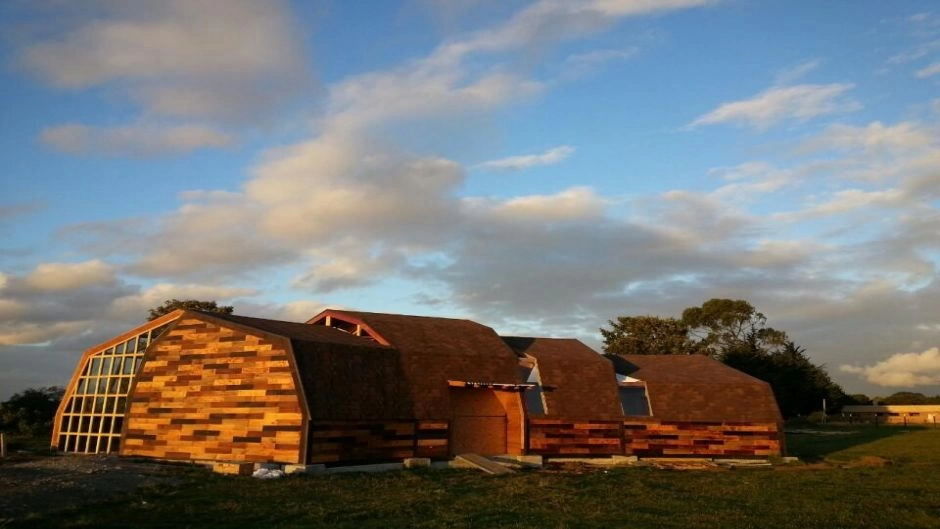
(304, 469)
(624, 460)
(417, 462)
(234, 469)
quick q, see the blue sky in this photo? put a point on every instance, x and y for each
(541, 167)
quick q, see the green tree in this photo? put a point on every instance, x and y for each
(646, 335)
(860, 399)
(720, 326)
(905, 397)
(31, 411)
(189, 304)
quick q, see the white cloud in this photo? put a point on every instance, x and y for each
(901, 370)
(54, 277)
(794, 73)
(218, 59)
(928, 71)
(516, 163)
(133, 140)
(581, 64)
(799, 103)
(848, 200)
(875, 137)
(34, 333)
(140, 302)
(549, 21)
(575, 204)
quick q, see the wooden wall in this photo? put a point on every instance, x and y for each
(367, 442)
(212, 392)
(654, 438)
(574, 437)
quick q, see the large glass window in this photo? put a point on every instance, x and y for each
(93, 416)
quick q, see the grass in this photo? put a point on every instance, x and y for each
(849, 484)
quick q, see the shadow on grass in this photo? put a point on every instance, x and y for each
(814, 443)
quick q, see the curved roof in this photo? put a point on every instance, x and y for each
(434, 350)
(344, 377)
(581, 383)
(699, 388)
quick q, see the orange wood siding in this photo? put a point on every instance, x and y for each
(653, 438)
(210, 392)
(574, 437)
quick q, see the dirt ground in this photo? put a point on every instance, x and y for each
(31, 484)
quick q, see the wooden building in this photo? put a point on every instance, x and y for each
(699, 406)
(893, 414)
(349, 387)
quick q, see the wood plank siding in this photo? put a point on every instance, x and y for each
(654, 438)
(568, 437)
(213, 392)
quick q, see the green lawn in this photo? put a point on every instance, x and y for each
(845, 485)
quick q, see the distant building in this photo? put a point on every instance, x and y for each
(894, 413)
(355, 386)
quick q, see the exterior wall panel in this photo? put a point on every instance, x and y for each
(655, 438)
(210, 392)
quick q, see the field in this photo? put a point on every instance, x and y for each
(871, 478)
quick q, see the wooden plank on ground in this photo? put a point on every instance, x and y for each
(482, 463)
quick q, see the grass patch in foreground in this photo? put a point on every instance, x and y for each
(905, 494)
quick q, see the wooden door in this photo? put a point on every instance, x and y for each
(478, 424)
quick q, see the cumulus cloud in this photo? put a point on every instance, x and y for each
(875, 137)
(54, 277)
(192, 68)
(516, 163)
(133, 140)
(774, 105)
(901, 370)
(846, 201)
(212, 59)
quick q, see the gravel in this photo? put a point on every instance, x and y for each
(30, 484)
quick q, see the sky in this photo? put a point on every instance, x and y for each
(541, 167)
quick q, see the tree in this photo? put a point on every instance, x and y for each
(31, 411)
(860, 399)
(722, 325)
(906, 397)
(189, 304)
(646, 335)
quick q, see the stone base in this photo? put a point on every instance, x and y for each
(304, 469)
(417, 462)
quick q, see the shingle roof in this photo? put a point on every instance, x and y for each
(584, 383)
(295, 331)
(699, 388)
(434, 350)
(344, 377)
